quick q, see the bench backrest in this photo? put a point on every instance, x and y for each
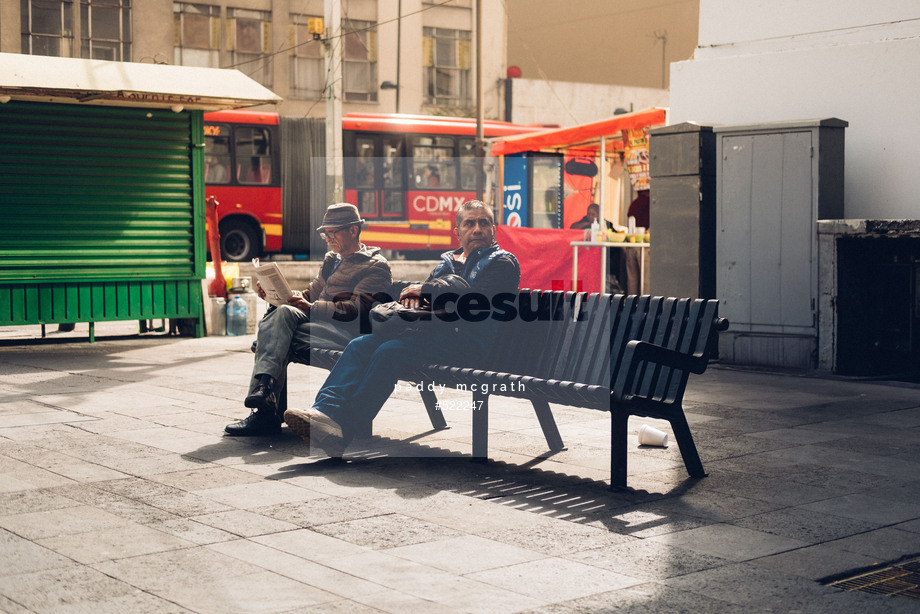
(582, 337)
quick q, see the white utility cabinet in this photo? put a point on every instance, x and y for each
(773, 182)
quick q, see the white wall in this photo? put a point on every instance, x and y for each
(741, 21)
(568, 104)
(849, 59)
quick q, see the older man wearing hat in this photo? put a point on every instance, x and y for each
(325, 315)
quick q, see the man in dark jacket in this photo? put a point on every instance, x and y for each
(325, 315)
(365, 374)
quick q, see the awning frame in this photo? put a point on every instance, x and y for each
(582, 139)
(127, 84)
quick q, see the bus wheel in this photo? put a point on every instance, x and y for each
(239, 241)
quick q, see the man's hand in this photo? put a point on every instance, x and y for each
(260, 291)
(297, 300)
(411, 296)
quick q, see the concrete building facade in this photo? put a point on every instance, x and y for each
(410, 56)
(425, 49)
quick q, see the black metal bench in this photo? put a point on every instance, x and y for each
(629, 355)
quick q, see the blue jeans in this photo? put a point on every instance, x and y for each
(366, 373)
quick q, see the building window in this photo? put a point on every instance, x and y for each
(307, 65)
(249, 37)
(47, 27)
(105, 29)
(446, 58)
(359, 72)
(196, 32)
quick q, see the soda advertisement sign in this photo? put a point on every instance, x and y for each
(514, 208)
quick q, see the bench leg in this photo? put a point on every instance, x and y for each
(282, 399)
(480, 425)
(618, 424)
(548, 424)
(364, 430)
(430, 399)
(686, 445)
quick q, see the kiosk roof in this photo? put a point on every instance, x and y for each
(127, 84)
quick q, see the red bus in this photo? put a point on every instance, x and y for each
(406, 173)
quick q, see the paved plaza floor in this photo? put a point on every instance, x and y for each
(120, 493)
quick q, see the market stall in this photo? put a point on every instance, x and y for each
(102, 175)
(581, 178)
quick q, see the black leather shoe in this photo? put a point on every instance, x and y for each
(263, 397)
(261, 422)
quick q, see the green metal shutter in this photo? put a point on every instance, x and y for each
(101, 214)
(94, 193)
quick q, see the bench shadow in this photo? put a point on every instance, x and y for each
(431, 469)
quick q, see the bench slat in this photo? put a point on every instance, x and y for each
(590, 341)
(555, 333)
(668, 379)
(669, 323)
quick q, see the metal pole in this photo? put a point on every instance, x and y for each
(602, 222)
(398, 49)
(334, 183)
(480, 144)
(663, 37)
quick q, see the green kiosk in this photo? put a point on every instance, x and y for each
(102, 187)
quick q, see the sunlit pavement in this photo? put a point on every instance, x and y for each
(119, 493)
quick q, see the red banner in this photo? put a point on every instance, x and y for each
(545, 255)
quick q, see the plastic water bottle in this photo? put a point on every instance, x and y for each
(236, 316)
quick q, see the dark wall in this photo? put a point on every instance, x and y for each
(878, 316)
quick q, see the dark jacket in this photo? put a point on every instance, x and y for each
(345, 287)
(487, 271)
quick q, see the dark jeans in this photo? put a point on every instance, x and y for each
(287, 329)
(369, 368)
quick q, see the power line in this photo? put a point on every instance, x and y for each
(815, 32)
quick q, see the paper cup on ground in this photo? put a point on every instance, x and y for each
(650, 436)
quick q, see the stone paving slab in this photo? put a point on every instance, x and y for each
(119, 492)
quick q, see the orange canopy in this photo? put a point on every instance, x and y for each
(585, 137)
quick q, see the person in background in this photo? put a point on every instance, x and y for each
(630, 261)
(325, 315)
(592, 215)
(638, 209)
(432, 177)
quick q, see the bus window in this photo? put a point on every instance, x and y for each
(253, 155)
(364, 177)
(394, 177)
(364, 164)
(394, 156)
(394, 204)
(367, 204)
(217, 153)
(468, 163)
(433, 162)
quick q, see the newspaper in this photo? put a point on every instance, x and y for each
(276, 287)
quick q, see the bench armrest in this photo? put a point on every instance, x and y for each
(638, 351)
(641, 352)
